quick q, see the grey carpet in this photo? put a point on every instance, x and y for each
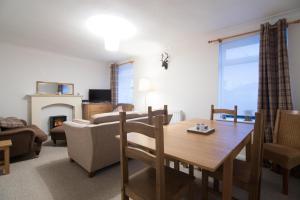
(52, 176)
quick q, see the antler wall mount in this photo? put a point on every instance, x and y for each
(165, 60)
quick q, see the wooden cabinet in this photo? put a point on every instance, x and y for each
(90, 109)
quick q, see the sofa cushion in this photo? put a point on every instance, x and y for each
(11, 122)
(118, 109)
(113, 116)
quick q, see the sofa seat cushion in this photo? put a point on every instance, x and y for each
(287, 157)
(11, 122)
(114, 116)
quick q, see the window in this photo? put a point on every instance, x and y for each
(125, 83)
(239, 75)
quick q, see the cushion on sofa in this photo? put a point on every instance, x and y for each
(11, 122)
(114, 116)
(118, 109)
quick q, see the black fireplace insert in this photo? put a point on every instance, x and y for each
(55, 121)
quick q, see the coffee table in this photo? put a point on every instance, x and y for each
(4, 146)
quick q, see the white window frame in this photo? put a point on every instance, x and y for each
(220, 74)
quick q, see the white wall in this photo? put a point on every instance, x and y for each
(191, 82)
(21, 67)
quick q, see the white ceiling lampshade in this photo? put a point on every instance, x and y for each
(112, 28)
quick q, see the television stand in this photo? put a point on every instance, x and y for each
(90, 108)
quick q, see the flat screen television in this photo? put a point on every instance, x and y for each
(99, 95)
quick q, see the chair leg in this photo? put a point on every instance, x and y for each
(216, 185)
(204, 185)
(123, 195)
(254, 192)
(259, 188)
(191, 170)
(285, 181)
(176, 165)
(167, 162)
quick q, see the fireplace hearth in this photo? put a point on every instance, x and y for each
(55, 121)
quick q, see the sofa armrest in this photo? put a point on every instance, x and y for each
(79, 143)
(81, 121)
(40, 135)
(16, 131)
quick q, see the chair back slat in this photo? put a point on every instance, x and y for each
(287, 128)
(256, 153)
(137, 152)
(154, 113)
(223, 111)
(158, 112)
(141, 128)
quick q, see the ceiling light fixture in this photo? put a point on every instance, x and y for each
(112, 28)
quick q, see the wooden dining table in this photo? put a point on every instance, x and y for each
(207, 152)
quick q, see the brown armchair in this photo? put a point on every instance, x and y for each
(285, 149)
(25, 140)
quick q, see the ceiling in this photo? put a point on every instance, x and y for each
(60, 26)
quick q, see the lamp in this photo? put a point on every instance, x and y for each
(112, 28)
(145, 86)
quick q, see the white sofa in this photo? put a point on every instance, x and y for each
(94, 146)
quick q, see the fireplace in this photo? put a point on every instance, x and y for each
(55, 121)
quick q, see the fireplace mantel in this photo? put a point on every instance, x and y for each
(38, 102)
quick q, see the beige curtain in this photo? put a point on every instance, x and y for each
(274, 79)
(114, 69)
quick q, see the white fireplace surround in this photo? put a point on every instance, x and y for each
(38, 102)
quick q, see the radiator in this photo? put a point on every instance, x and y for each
(177, 116)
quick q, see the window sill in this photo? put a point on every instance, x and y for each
(238, 120)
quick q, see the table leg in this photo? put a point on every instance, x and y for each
(227, 178)
(204, 185)
(6, 160)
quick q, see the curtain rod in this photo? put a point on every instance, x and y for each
(127, 62)
(246, 33)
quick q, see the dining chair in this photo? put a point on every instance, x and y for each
(154, 113)
(285, 149)
(223, 111)
(214, 111)
(156, 181)
(246, 175)
(164, 113)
